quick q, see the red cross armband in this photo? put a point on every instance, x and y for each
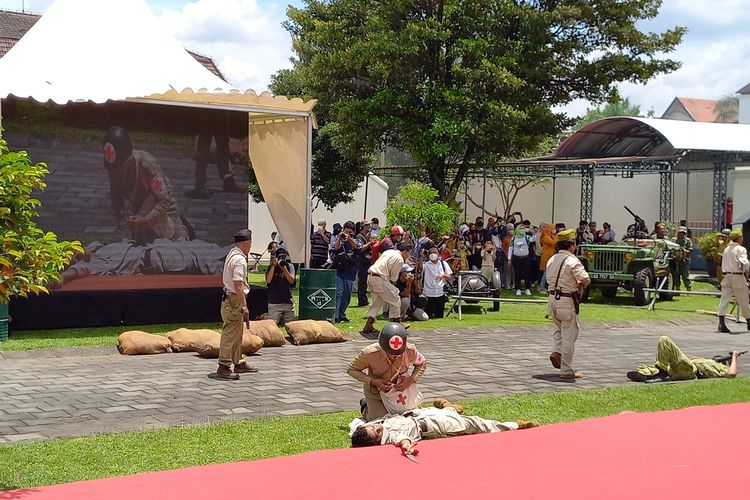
(419, 359)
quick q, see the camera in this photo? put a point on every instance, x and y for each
(282, 262)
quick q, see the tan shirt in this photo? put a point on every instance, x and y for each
(235, 269)
(372, 362)
(734, 259)
(388, 265)
(569, 268)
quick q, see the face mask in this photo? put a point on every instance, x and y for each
(433, 257)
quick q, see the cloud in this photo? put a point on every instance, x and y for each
(244, 37)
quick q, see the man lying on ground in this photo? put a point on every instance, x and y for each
(445, 420)
(673, 364)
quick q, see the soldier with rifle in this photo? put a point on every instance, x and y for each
(735, 267)
(673, 364)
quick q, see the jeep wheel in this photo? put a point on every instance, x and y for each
(643, 279)
(667, 286)
(609, 292)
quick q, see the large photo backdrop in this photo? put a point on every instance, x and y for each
(153, 192)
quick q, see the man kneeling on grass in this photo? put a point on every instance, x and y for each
(445, 420)
(673, 364)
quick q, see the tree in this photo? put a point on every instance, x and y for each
(337, 168)
(416, 207)
(727, 109)
(462, 82)
(30, 259)
(621, 107)
(507, 189)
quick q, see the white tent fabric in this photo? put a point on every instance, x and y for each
(278, 151)
(95, 50)
(635, 136)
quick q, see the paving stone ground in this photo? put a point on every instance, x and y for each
(74, 392)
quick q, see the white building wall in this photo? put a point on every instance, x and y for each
(261, 223)
(741, 190)
(744, 116)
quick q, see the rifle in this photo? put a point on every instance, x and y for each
(640, 224)
(726, 359)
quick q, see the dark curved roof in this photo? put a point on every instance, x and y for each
(621, 136)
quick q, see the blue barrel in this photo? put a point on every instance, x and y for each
(317, 294)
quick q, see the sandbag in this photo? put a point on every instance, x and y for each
(251, 343)
(210, 349)
(267, 330)
(137, 342)
(186, 340)
(309, 331)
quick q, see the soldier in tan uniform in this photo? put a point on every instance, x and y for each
(381, 279)
(135, 179)
(234, 309)
(383, 365)
(735, 267)
(567, 279)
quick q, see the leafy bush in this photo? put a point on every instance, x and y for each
(709, 245)
(30, 258)
(416, 207)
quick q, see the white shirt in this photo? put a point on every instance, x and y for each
(235, 269)
(432, 286)
(734, 259)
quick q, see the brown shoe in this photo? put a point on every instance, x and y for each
(555, 359)
(527, 424)
(368, 328)
(244, 368)
(571, 376)
(225, 373)
(444, 403)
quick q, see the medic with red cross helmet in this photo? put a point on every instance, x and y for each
(383, 365)
(141, 194)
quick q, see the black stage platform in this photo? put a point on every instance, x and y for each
(70, 309)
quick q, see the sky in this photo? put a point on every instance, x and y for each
(247, 41)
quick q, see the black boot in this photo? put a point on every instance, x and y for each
(723, 326)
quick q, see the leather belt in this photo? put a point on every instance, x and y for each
(375, 274)
(727, 272)
(562, 294)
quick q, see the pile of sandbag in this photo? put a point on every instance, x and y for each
(308, 331)
(204, 342)
(263, 333)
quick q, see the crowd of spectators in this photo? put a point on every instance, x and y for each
(511, 254)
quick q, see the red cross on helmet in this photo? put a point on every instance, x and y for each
(392, 338)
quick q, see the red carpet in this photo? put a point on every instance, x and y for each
(691, 453)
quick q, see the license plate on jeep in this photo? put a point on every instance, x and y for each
(603, 276)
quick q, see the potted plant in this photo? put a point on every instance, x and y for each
(709, 246)
(30, 258)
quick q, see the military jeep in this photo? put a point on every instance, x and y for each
(635, 264)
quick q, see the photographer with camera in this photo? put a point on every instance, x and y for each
(345, 255)
(280, 280)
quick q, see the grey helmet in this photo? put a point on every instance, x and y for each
(392, 338)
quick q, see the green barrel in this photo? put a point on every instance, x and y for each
(317, 294)
(4, 321)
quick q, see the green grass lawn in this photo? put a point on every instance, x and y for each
(597, 309)
(26, 465)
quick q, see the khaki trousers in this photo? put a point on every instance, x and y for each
(734, 285)
(230, 347)
(383, 292)
(375, 406)
(672, 360)
(447, 422)
(564, 315)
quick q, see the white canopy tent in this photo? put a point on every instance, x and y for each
(100, 50)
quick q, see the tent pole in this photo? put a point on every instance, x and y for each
(308, 187)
